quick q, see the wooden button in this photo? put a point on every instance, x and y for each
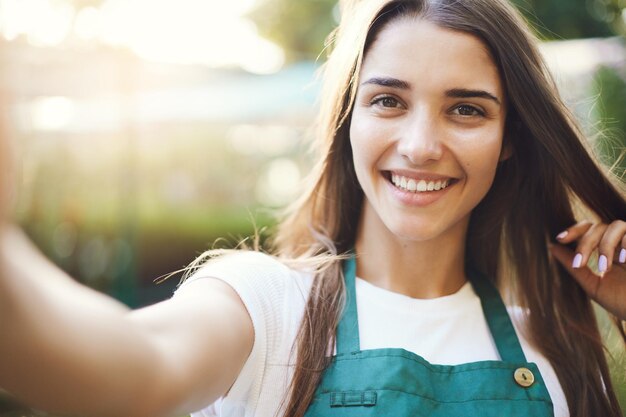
(524, 377)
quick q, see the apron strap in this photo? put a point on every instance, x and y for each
(495, 313)
(348, 328)
(498, 319)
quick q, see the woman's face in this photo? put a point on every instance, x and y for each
(426, 128)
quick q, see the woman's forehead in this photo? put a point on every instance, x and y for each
(415, 51)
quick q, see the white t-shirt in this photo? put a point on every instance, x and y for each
(448, 330)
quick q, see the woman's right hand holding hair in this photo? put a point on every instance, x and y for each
(607, 284)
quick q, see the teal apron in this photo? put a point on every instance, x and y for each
(394, 382)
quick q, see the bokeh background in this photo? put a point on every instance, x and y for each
(148, 129)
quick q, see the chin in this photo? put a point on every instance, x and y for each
(415, 232)
(423, 230)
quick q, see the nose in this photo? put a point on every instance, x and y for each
(420, 139)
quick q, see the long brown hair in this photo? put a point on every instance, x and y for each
(532, 199)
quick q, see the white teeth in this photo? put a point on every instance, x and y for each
(412, 185)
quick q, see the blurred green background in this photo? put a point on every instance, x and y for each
(148, 129)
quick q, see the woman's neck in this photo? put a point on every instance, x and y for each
(420, 269)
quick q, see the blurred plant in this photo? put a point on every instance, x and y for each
(612, 12)
(566, 19)
(300, 27)
(610, 85)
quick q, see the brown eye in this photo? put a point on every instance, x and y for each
(467, 110)
(388, 102)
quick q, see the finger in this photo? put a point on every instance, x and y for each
(583, 275)
(609, 244)
(621, 257)
(588, 243)
(574, 232)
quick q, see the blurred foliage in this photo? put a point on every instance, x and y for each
(566, 19)
(301, 27)
(118, 214)
(612, 12)
(610, 85)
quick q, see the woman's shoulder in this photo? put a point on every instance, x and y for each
(239, 259)
(274, 294)
(259, 275)
(247, 264)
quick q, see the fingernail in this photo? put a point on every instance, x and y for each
(602, 263)
(578, 259)
(622, 256)
(562, 235)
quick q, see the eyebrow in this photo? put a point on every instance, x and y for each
(388, 82)
(453, 93)
(465, 93)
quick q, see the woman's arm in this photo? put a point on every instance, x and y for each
(69, 349)
(6, 176)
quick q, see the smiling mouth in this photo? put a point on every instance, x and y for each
(416, 185)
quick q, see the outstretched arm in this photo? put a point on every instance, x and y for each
(66, 348)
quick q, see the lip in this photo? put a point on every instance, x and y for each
(419, 199)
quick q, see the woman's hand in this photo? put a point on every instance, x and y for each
(608, 286)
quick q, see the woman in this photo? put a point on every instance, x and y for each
(448, 165)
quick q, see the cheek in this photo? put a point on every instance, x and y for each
(361, 144)
(366, 152)
(480, 163)
(368, 141)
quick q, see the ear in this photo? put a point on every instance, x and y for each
(507, 150)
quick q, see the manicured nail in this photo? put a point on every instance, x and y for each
(602, 263)
(622, 256)
(562, 235)
(578, 259)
